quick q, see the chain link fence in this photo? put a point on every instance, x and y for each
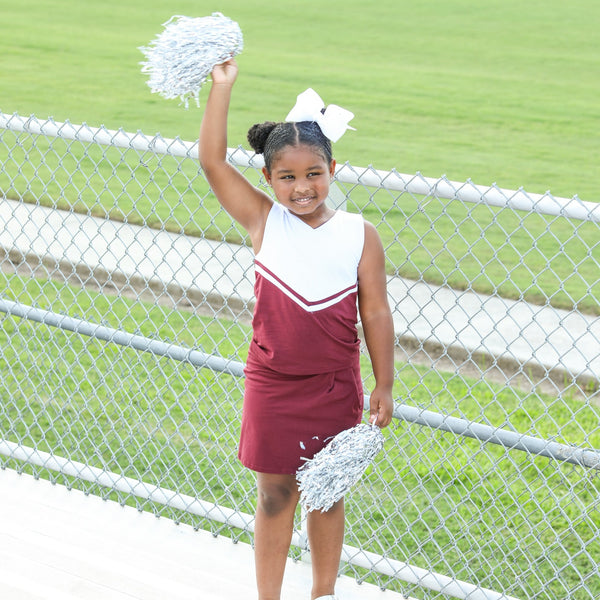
(125, 309)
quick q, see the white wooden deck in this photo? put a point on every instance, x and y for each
(57, 543)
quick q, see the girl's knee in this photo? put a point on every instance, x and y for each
(335, 514)
(275, 495)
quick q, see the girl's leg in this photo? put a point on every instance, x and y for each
(275, 508)
(325, 537)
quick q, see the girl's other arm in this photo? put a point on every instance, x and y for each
(377, 324)
(245, 203)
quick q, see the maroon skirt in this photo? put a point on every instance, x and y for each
(289, 418)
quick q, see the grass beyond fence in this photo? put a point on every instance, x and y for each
(145, 416)
(501, 91)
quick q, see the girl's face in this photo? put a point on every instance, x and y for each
(300, 178)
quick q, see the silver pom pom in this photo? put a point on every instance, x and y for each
(181, 57)
(325, 478)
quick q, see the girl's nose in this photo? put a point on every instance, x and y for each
(302, 185)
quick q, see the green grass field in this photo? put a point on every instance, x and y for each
(500, 91)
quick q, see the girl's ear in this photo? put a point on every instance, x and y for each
(267, 175)
(332, 168)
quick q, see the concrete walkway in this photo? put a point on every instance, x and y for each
(433, 324)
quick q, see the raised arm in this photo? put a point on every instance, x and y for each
(248, 205)
(377, 324)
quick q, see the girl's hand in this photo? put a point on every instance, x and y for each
(225, 73)
(381, 407)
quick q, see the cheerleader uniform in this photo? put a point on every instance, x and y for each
(303, 383)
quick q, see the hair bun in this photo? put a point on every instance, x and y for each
(258, 134)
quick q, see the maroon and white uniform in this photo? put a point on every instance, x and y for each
(303, 382)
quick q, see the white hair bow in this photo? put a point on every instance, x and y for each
(333, 121)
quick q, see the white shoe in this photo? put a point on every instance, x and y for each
(330, 597)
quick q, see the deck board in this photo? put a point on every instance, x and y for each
(62, 544)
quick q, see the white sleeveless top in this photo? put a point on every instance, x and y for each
(306, 292)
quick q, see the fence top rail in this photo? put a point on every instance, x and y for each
(546, 204)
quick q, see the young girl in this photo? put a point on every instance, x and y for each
(303, 382)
